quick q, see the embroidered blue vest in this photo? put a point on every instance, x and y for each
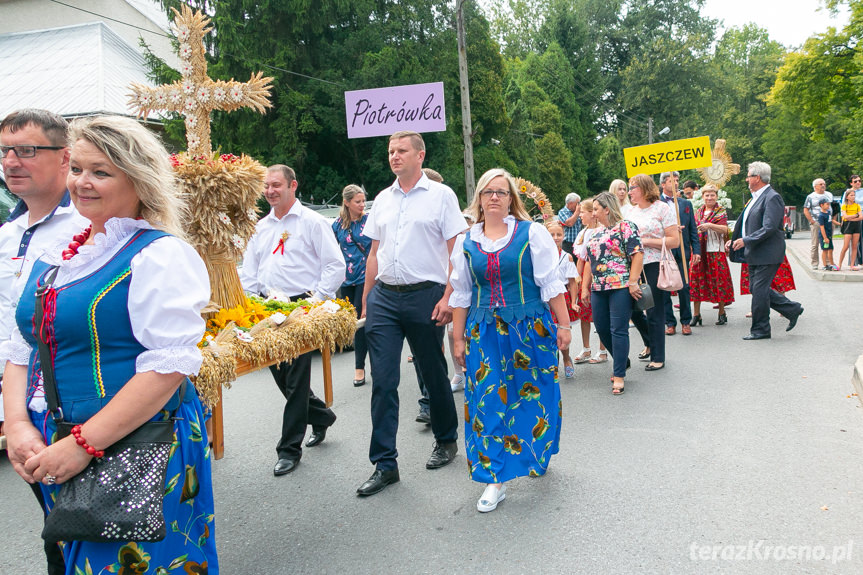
(503, 281)
(95, 350)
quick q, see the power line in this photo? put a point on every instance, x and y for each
(241, 59)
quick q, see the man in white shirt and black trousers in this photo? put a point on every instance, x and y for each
(413, 225)
(292, 254)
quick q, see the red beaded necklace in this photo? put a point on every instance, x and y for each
(77, 241)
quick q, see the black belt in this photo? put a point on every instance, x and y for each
(408, 287)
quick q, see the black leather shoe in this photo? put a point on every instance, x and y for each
(317, 437)
(359, 382)
(285, 466)
(752, 336)
(443, 454)
(793, 320)
(424, 417)
(378, 481)
(652, 367)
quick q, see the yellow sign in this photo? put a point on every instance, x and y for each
(671, 156)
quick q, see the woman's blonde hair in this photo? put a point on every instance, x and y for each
(553, 224)
(613, 189)
(608, 200)
(587, 205)
(648, 187)
(138, 153)
(516, 206)
(348, 194)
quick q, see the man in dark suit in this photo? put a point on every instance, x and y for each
(692, 248)
(759, 241)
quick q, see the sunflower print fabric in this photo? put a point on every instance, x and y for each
(512, 398)
(189, 546)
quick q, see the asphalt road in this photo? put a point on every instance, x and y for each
(739, 457)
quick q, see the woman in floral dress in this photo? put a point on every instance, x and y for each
(125, 317)
(504, 272)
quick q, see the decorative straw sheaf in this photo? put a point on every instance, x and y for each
(313, 331)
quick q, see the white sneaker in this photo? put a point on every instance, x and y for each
(491, 497)
(457, 383)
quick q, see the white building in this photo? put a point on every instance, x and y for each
(77, 61)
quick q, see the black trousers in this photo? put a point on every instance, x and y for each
(765, 298)
(302, 406)
(683, 297)
(56, 562)
(392, 317)
(354, 294)
(653, 331)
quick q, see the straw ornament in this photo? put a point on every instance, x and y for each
(536, 195)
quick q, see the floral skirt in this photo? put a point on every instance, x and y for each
(190, 543)
(512, 401)
(782, 282)
(712, 284)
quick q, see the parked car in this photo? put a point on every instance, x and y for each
(790, 218)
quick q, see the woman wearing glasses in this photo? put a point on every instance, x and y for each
(656, 222)
(504, 278)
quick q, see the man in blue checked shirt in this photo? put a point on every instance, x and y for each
(569, 216)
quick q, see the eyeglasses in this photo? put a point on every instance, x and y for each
(633, 188)
(498, 193)
(25, 151)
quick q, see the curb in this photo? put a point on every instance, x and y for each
(857, 378)
(821, 275)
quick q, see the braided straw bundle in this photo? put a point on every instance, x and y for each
(536, 195)
(315, 330)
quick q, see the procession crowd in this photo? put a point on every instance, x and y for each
(101, 316)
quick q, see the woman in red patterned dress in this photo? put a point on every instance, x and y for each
(710, 278)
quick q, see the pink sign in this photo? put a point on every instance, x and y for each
(383, 111)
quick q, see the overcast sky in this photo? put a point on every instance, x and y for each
(790, 22)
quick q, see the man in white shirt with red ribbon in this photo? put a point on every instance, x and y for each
(294, 255)
(413, 226)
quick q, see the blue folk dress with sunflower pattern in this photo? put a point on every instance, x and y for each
(512, 397)
(94, 356)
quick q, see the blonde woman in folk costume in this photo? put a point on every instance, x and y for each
(505, 336)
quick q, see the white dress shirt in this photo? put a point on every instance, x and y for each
(63, 223)
(168, 289)
(312, 260)
(413, 229)
(755, 195)
(543, 255)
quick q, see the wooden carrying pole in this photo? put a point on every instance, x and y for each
(682, 245)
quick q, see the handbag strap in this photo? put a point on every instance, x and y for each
(356, 241)
(45, 359)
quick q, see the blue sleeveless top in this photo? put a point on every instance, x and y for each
(503, 282)
(94, 349)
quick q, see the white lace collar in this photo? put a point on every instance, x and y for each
(117, 230)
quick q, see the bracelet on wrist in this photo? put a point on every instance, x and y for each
(76, 433)
(569, 327)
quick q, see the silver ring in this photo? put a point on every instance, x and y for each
(50, 479)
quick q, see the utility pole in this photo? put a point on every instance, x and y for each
(650, 130)
(466, 128)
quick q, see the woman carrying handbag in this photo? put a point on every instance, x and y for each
(657, 226)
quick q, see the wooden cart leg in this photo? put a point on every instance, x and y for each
(328, 375)
(218, 437)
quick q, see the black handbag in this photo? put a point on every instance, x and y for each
(119, 496)
(645, 302)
